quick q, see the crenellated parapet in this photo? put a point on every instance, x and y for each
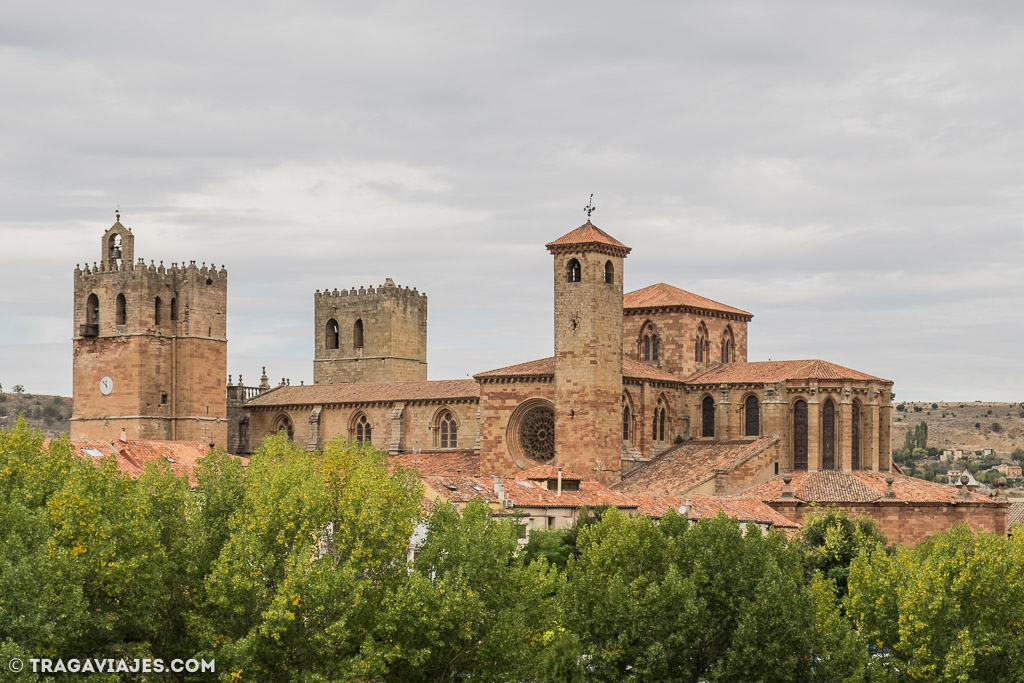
(370, 334)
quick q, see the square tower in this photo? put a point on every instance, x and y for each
(588, 352)
(150, 347)
(375, 334)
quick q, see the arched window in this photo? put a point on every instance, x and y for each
(448, 431)
(573, 272)
(92, 310)
(647, 347)
(627, 421)
(855, 435)
(800, 435)
(752, 416)
(658, 421)
(357, 334)
(828, 435)
(707, 411)
(363, 430)
(332, 338)
(122, 316)
(156, 311)
(284, 423)
(609, 272)
(728, 346)
(649, 342)
(702, 345)
(174, 310)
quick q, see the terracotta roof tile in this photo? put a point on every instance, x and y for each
(858, 486)
(662, 295)
(525, 493)
(588, 233)
(133, 456)
(545, 367)
(637, 370)
(689, 464)
(368, 392)
(461, 462)
(743, 508)
(546, 472)
(777, 371)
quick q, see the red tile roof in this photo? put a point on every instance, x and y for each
(369, 392)
(133, 456)
(636, 370)
(858, 486)
(743, 508)
(542, 367)
(545, 472)
(545, 367)
(525, 493)
(588, 233)
(777, 371)
(662, 295)
(462, 462)
(682, 468)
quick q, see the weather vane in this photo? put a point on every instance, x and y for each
(117, 213)
(590, 208)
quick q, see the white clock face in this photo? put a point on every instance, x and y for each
(106, 385)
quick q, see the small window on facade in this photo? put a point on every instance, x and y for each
(855, 436)
(156, 311)
(707, 409)
(163, 399)
(574, 273)
(122, 315)
(661, 424)
(800, 435)
(449, 431)
(92, 310)
(174, 310)
(284, 424)
(626, 423)
(609, 272)
(752, 416)
(357, 334)
(332, 340)
(828, 435)
(363, 430)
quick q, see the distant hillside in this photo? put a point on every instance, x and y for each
(48, 413)
(970, 426)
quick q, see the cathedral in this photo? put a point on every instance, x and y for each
(648, 400)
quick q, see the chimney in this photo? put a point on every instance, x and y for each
(498, 487)
(787, 490)
(124, 434)
(559, 481)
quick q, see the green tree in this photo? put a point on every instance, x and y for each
(18, 389)
(1018, 456)
(950, 609)
(671, 602)
(831, 540)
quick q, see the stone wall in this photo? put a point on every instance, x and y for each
(393, 321)
(160, 335)
(908, 523)
(677, 330)
(499, 399)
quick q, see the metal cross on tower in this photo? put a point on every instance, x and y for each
(590, 208)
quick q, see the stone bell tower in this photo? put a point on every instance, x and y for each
(588, 352)
(150, 347)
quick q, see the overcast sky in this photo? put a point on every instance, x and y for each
(853, 175)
